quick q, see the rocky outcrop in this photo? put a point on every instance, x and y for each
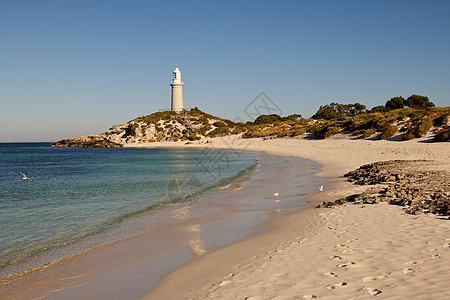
(407, 183)
(163, 126)
(90, 141)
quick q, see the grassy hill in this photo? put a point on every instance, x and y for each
(409, 122)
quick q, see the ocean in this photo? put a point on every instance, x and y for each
(75, 193)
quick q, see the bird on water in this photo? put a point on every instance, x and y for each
(25, 177)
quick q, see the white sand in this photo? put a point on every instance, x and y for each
(348, 252)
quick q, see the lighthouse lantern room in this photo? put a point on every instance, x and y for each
(177, 91)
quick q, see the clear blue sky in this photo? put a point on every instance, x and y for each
(70, 68)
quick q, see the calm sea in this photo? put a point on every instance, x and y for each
(74, 193)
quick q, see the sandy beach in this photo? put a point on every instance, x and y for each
(344, 252)
(347, 252)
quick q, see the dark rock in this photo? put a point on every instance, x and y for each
(87, 142)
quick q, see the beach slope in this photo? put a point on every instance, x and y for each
(346, 252)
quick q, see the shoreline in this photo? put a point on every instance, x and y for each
(287, 231)
(241, 278)
(233, 209)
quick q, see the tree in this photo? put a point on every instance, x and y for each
(356, 109)
(336, 111)
(395, 103)
(418, 101)
(379, 108)
(294, 117)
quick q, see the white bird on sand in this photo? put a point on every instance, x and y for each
(276, 194)
(320, 188)
(25, 177)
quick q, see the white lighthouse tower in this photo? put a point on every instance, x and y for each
(177, 91)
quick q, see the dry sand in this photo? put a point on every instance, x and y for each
(348, 252)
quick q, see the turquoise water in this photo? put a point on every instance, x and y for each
(74, 193)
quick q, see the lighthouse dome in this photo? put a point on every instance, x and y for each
(176, 76)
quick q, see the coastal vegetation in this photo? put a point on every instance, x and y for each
(408, 118)
(399, 119)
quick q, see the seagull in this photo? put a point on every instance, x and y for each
(320, 188)
(276, 194)
(25, 177)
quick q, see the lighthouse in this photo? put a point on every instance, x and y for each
(177, 91)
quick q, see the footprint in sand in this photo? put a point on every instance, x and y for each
(346, 265)
(330, 274)
(446, 245)
(373, 278)
(372, 291)
(309, 296)
(347, 251)
(428, 250)
(339, 284)
(412, 262)
(341, 246)
(225, 283)
(435, 256)
(335, 257)
(407, 271)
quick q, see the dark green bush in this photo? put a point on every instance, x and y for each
(219, 124)
(408, 135)
(379, 108)
(328, 131)
(395, 103)
(204, 129)
(368, 133)
(441, 136)
(193, 137)
(418, 101)
(419, 129)
(219, 131)
(389, 132)
(267, 119)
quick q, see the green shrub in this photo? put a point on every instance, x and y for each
(267, 119)
(395, 103)
(418, 101)
(424, 126)
(389, 132)
(408, 135)
(439, 121)
(328, 131)
(219, 131)
(368, 133)
(379, 108)
(441, 136)
(419, 129)
(193, 137)
(204, 120)
(299, 131)
(195, 111)
(219, 124)
(202, 130)
(383, 122)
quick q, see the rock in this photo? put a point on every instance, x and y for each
(90, 141)
(412, 187)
